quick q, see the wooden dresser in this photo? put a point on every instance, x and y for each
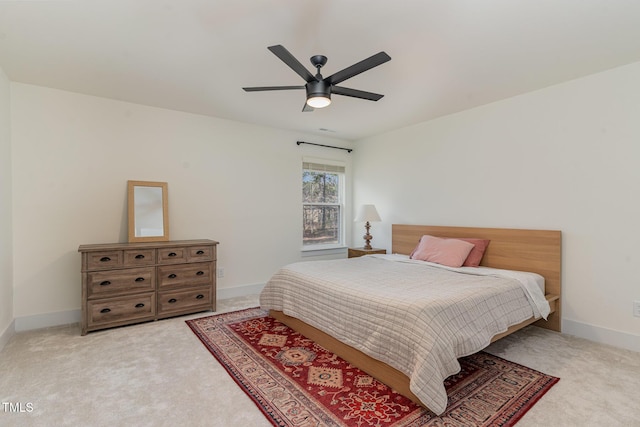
(125, 283)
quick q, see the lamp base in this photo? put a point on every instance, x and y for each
(367, 237)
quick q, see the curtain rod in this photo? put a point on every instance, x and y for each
(348, 150)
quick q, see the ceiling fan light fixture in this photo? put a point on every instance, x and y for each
(318, 101)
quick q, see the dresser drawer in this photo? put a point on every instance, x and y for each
(171, 303)
(104, 260)
(184, 275)
(138, 258)
(124, 281)
(172, 255)
(201, 253)
(121, 309)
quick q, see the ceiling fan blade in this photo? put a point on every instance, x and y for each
(307, 108)
(261, 88)
(355, 93)
(286, 57)
(362, 66)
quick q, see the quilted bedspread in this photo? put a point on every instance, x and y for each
(414, 316)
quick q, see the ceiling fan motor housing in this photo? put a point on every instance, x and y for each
(318, 88)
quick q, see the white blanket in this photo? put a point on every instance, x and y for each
(415, 316)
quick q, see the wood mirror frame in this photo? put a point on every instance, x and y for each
(148, 211)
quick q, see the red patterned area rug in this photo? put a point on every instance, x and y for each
(296, 382)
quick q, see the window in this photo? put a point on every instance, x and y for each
(322, 205)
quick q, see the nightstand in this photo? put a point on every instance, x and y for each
(356, 252)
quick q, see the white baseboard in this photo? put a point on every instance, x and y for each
(240, 291)
(6, 335)
(601, 335)
(47, 320)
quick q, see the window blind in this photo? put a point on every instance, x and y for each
(323, 167)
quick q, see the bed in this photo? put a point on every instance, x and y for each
(409, 348)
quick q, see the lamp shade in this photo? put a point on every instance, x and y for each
(368, 213)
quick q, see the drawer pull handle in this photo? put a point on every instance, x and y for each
(139, 305)
(105, 310)
(105, 259)
(140, 279)
(173, 254)
(199, 296)
(199, 273)
(140, 256)
(172, 300)
(172, 276)
(105, 283)
(200, 253)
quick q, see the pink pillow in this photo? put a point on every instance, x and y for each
(476, 254)
(449, 252)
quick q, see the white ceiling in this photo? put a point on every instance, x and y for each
(196, 55)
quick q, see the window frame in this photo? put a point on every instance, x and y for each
(331, 167)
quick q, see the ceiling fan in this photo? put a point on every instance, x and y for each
(319, 89)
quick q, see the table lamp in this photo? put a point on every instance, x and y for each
(367, 214)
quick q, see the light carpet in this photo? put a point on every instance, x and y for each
(160, 374)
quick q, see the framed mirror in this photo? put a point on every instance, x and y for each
(148, 211)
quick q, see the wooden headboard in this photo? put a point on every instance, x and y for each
(538, 251)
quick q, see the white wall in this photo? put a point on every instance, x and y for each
(6, 258)
(73, 154)
(566, 157)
